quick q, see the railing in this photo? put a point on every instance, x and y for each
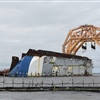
(43, 83)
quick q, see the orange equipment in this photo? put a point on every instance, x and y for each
(78, 36)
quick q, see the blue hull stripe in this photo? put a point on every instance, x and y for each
(21, 69)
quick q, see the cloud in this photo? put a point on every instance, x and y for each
(42, 25)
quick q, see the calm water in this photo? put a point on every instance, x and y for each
(49, 96)
(56, 95)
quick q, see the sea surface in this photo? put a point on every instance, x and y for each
(58, 95)
(51, 95)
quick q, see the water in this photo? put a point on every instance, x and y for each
(58, 95)
(51, 95)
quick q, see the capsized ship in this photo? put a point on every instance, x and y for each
(49, 63)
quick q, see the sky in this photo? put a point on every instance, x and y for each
(43, 25)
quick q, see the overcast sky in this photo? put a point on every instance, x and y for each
(43, 25)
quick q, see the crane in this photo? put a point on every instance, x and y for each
(79, 37)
